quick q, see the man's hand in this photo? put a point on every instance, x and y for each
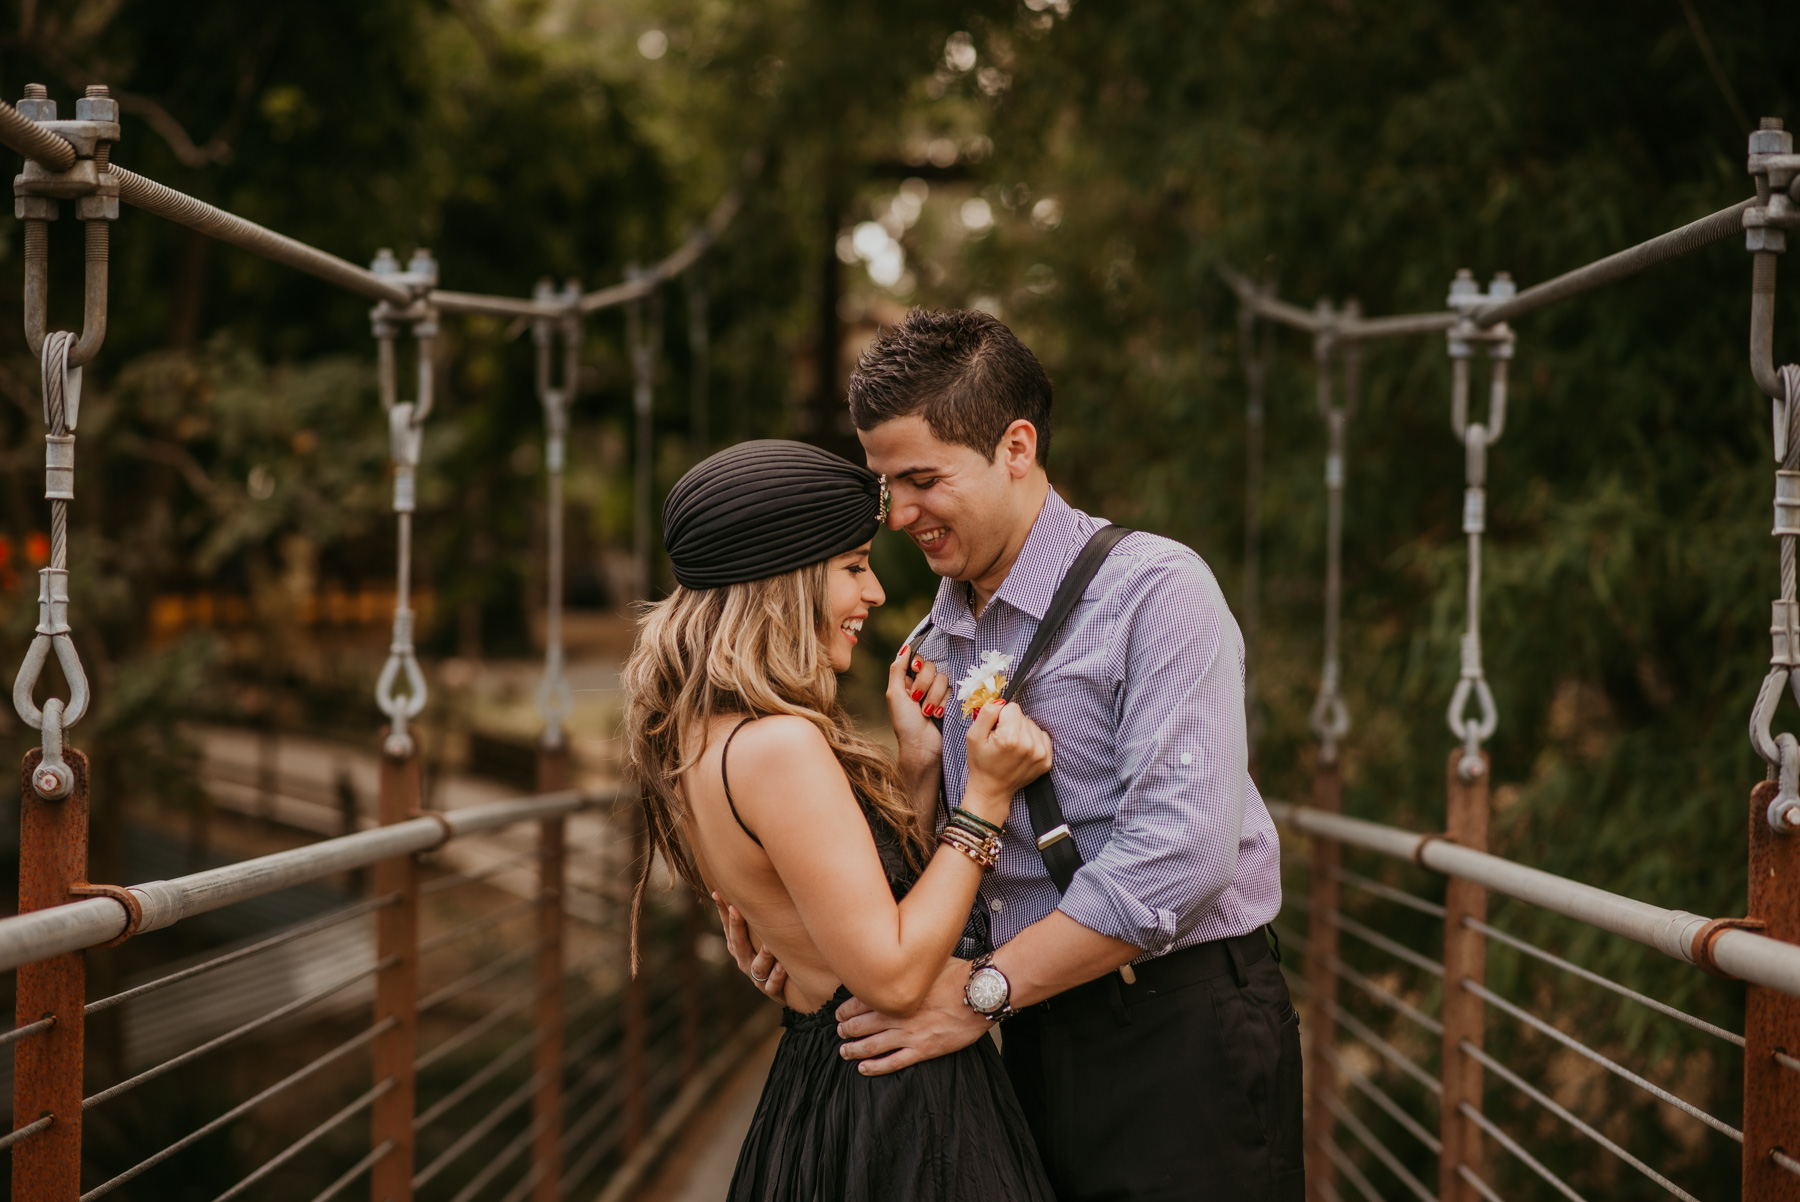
(761, 966)
(941, 1025)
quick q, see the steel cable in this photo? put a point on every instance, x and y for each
(1525, 1087)
(1376, 1148)
(475, 1081)
(18, 1033)
(476, 1029)
(1786, 1061)
(287, 936)
(474, 1134)
(1698, 1024)
(1383, 1099)
(242, 1108)
(305, 1141)
(490, 919)
(1398, 896)
(31, 1128)
(478, 976)
(255, 1024)
(1350, 926)
(1785, 1161)
(472, 877)
(1386, 1050)
(1612, 1066)
(1385, 998)
(1477, 1184)
(354, 1171)
(499, 1161)
(1512, 1145)
(1348, 1168)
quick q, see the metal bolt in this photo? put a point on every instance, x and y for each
(1766, 123)
(98, 89)
(1790, 817)
(49, 784)
(37, 91)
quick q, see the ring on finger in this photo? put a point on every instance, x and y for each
(762, 980)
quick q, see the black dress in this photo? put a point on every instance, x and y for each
(942, 1130)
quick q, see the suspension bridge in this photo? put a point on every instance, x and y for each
(460, 1028)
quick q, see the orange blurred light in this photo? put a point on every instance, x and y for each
(37, 548)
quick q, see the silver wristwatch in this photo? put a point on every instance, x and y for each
(988, 992)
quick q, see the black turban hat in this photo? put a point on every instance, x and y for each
(766, 507)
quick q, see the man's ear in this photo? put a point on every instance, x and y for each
(1017, 451)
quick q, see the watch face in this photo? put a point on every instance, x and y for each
(988, 990)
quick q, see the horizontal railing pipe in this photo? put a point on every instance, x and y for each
(1695, 235)
(199, 216)
(1743, 954)
(60, 929)
(494, 306)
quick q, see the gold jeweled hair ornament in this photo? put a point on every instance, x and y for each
(882, 516)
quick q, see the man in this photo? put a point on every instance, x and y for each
(1177, 1076)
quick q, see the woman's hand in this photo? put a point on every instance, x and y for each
(916, 693)
(761, 966)
(1007, 751)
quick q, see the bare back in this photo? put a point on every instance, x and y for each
(736, 792)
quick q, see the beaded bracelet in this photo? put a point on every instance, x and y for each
(972, 816)
(964, 822)
(985, 855)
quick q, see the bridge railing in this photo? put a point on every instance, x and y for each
(440, 1037)
(1433, 1073)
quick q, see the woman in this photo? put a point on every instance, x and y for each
(757, 787)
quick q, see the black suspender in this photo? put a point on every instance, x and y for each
(1054, 842)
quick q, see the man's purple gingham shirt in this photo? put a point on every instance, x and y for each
(1142, 693)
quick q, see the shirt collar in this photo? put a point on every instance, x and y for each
(1054, 541)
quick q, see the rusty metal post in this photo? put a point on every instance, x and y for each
(1771, 1018)
(46, 1167)
(1321, 984)
(396, 987)
(636, 1021)
(547, 1102)
(1465, 957)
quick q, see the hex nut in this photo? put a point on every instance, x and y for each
(35, 208)
(97, 208)
(1771, 141)
(37, 110)
(96, 108)
(1762, 238)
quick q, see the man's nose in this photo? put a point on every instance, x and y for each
(901, 514)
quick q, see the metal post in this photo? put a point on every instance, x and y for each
(1465, 957)
(1771, 1018)
(1321, 984)
(547, 1102)
(396, 987)
(636, 1023)
(47, 1072)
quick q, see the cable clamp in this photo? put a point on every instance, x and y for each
(134, 907)
(1425, 842)
(443, 822)
(1701, 950)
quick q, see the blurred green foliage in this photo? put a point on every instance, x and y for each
(1337, 148)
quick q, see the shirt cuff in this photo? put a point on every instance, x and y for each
(1101, 904)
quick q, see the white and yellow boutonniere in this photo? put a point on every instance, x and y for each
(984, 682)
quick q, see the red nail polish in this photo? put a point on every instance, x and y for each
(917, 664)
(918, 694)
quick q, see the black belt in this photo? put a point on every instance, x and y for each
(1189, 966)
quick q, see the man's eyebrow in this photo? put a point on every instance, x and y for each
(918, 471)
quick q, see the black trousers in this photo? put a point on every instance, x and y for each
(1185, 1085)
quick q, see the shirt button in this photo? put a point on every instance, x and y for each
(996, 905)
(1186, 759)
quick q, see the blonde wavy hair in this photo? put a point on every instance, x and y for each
(756, 649)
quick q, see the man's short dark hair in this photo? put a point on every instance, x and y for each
(962, 371)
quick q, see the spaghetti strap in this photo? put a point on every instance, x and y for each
(726, 780)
